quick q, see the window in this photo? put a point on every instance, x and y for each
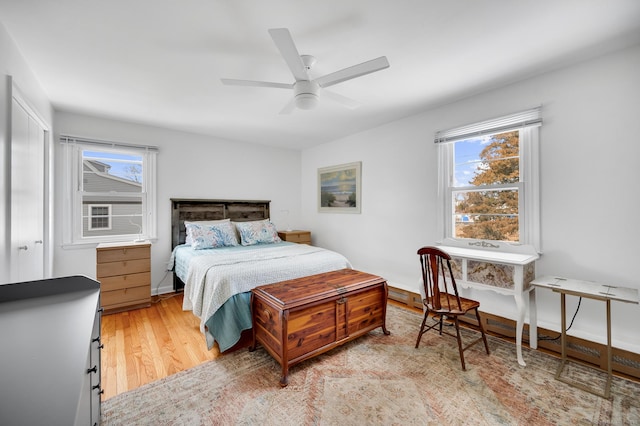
(489, 180)
(111, 191)
(99, 217)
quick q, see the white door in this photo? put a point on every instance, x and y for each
(27, 196)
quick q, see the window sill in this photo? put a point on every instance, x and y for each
(493, 252)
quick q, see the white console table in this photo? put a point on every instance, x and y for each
(503, 268)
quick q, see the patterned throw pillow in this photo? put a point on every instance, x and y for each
(188, 239)
(257, 232)
(211, 236)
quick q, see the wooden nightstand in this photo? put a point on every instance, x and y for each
(124, 272)
(296, 236)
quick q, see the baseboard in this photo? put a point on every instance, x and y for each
(624, 362)
(413, 300)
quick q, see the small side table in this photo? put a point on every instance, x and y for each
(591, 290)
(296, 236)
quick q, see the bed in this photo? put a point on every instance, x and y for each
(217, 281)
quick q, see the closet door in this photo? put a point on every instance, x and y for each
(27, 196)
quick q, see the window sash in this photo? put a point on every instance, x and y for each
(518, 187)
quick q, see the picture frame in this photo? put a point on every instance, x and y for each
(340, 188)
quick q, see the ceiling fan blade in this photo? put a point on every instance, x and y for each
(353, 72)
(282, 38)
(252, 83)
(289, 107)
(347, 102)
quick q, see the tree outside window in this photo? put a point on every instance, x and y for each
(486, 188)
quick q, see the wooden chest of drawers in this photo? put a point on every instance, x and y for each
(300, 237)
(297, 319)
(124, 272)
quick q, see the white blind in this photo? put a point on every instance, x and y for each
(105, 144)
(528, 118)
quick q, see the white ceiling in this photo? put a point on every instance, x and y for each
(159, 62)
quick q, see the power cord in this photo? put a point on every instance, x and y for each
(568, 328)
(157, 288)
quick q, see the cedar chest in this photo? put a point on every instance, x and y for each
(298, 319)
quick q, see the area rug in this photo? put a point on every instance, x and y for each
(381, 380)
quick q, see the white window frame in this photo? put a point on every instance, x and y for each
(72, 148)
(528, 122)
(91, 216)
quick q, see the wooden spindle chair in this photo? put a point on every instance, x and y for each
(442, 298)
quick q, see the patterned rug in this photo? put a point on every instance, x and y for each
(381, 380)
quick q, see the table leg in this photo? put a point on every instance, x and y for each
(563, 336)
(519, 326)
(533, 320)
(607, 388)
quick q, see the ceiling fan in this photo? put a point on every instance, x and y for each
(304, 88)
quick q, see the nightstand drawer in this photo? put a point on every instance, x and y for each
(125, 267)
(124, 281)
(300, 237)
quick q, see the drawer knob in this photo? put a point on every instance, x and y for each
(267, 314)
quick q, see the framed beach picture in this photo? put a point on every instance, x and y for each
(339, 188)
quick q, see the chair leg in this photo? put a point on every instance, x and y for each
(484, 336)
(457, 323)
(424, 322)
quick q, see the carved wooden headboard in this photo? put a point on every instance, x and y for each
(198, 209)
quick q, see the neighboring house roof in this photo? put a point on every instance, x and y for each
(97, 165)
(97, 179)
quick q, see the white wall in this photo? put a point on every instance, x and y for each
(189, 166)
(590, 155)
(15, 74)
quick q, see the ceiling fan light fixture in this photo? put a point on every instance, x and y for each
(306, 88)
(306, 101)
(306, 94)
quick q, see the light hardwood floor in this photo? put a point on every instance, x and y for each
(147, 344)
